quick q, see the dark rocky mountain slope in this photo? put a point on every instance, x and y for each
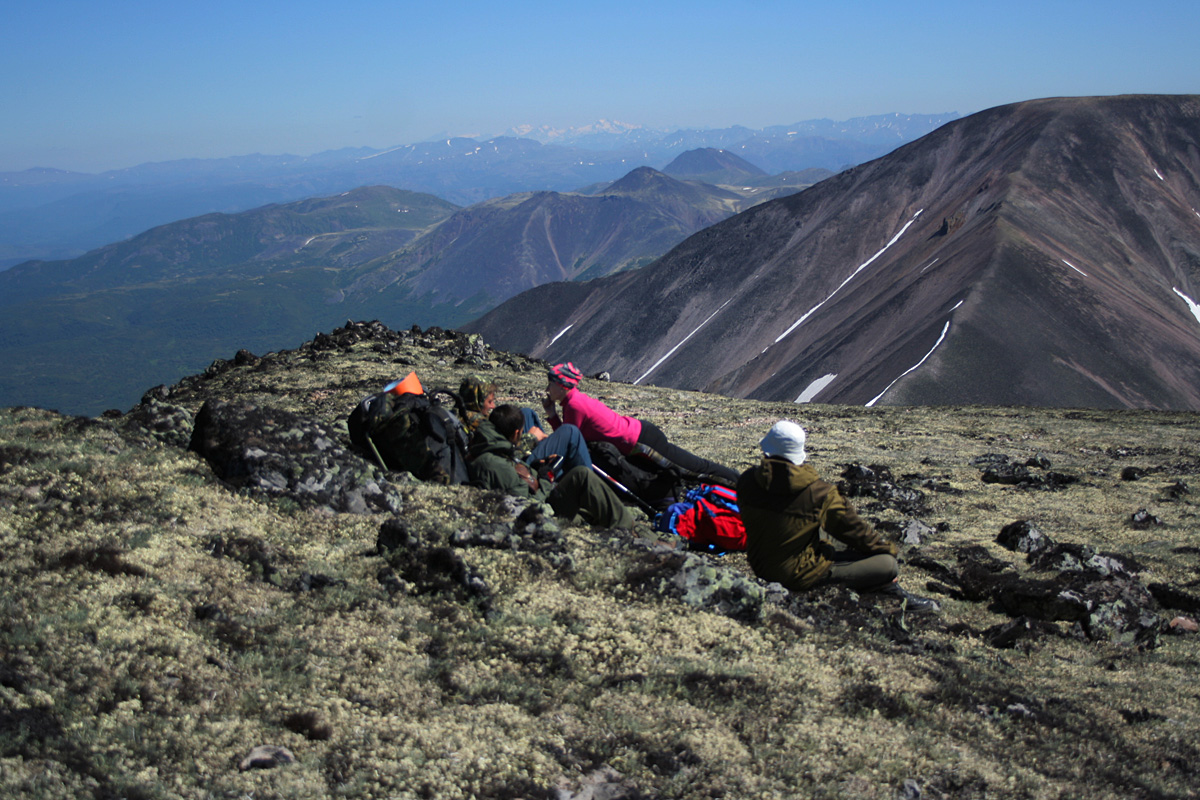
(493, 250)
(215, 595)
(1042, 253)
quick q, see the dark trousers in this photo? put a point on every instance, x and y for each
(583, 495)
(691, 464)
(862, 570)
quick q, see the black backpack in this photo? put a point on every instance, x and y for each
(656, 486)
(413, 433)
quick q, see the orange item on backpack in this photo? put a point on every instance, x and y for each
(410, 385)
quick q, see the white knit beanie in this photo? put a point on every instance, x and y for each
(785, 440)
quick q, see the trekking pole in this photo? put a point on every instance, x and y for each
(649, 509)
(375, 451)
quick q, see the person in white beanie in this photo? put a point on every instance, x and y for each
(791, 515)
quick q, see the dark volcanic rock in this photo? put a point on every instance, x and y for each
(1023, 537)
(695, 580)
(1115, 609)
(1082, 558)
(422, 566)
(1011, 473)
(281, 454)
(1008, 634)
(876, 481)
(1143, 519)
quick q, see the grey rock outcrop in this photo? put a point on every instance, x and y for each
(282, 454)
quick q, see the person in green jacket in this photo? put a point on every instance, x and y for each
(792, 516)
(580, 495)
(478, 394)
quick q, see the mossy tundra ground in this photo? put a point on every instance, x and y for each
(156, 625)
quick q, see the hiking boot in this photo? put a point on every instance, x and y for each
(912, 602)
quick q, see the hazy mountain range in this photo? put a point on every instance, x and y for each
(1042, 253)
(53, 214)
(172, 299)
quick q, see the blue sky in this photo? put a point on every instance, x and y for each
(106, 84)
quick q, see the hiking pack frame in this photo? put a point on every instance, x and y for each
(620, 487)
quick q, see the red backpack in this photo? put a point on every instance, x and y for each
(707, 518)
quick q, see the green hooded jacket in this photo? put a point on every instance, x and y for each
(493, 464)
(784, 507)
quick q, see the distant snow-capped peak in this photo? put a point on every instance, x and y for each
(549, 133)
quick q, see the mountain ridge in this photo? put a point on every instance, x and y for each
(173, 297)
(956, 197)
(76, 212)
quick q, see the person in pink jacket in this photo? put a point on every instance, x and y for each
(599, 423)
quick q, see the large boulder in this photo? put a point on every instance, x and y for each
(278, 453)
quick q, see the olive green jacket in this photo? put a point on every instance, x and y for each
(493, 463)
(784, 507)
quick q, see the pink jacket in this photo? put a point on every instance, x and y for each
(597, 422)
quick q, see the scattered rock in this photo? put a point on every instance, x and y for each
(1132, 474)
(693, 579)
(312, 725)
(314, 583)
(1116, 609)
(1082, 558)
(393, 533)
(1171, 597)
(281, 454)
(1023, 536)
(17, 456)
(980, 575)
(107, 559)
(258, 556)
(209, 611)
(1175, 490)
(1183, 625)
(990, 461)
(170, 424)
(1008, 475)
(1039, 461)
(910, 532)
(1006, 635)
(1097, 592)
(1143, 519)
(876, 481)
(420, 567)
(1045, 554)
(999, 469)
(604, 783)
(470, 352)
(267, 756)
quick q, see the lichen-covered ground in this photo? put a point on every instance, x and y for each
(156, 625)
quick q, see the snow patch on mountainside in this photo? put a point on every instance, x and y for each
(945, 329)
(815, 387)
(681, 341)
(1191, 303)
(941, 338)
(560, 333)
(861, 267)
